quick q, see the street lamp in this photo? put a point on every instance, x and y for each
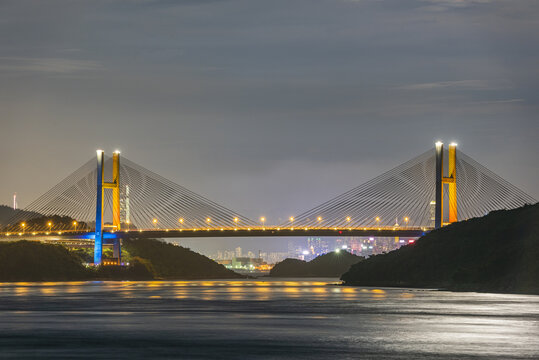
(75, 225)
(154, 221)
(23, 225)
(50, 225)
(406, 219)
(263, 220)
(377, 221)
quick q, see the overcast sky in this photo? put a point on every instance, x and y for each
(268, 107)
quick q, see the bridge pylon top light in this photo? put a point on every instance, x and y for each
(438, 143)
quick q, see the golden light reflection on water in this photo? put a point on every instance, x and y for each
(48, 290)
(21, 291)
(206, 290)
(407, 295)
(378, 294)
(73, 289)
(291, 291)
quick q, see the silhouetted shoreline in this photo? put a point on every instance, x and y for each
(495, 253)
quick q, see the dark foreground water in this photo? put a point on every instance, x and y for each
(255, 319)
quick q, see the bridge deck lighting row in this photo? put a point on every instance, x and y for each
(236, 220)
(232, 229)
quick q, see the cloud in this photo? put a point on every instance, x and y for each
(447, 5)
(457, 3)
(504, 101)
(59, 66)
(458, 84)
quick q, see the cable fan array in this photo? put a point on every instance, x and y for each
(404, 196)
(147, 201)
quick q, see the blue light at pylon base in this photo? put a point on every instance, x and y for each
(91, 236)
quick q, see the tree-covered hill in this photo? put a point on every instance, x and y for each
(328, 265)
(7, 214)
(171, 261)
(33, 261)
(148, 259)
(495, 253)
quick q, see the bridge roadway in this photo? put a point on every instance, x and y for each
(227, 232)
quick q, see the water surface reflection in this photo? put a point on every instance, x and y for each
(295, 318)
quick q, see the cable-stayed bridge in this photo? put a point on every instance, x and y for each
(408, 200)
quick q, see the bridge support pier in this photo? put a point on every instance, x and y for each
(451, 180)
(116, 222)
(117, 250)
(98, 242)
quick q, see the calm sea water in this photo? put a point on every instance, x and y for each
(261, 319)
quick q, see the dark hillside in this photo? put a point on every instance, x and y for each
(33, 261)
(498, 252)
(328, 265)
(173, 262)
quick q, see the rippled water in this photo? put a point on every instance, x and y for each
(251, 319)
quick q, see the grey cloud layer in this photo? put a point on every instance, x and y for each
(231, 97)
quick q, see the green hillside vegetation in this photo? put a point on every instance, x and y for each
(40, 223)
(495, 253)
(176, 262)
(8, 213)
(148, 259)
(33, 261)
(332, 264)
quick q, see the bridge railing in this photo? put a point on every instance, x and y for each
(12, 234)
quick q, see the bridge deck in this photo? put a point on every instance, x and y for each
(240, 232)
